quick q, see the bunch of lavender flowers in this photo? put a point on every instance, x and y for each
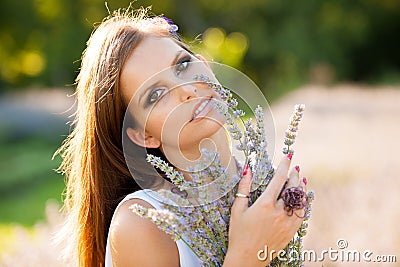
(203, 218)
(204, 225)
(253, 144)
(253, 141)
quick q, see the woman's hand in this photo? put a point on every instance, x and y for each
(263, 225)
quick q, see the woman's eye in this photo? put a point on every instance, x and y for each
(155, 95)
(183, 64)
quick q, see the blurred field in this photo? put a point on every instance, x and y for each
(347, 148)
(32, 125)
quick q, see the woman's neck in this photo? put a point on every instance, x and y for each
(185, 158)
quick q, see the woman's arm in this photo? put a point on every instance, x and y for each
(137, 241)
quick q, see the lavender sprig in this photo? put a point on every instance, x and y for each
(291, 132)
(175, 176)
(262, 168)
(164, 219)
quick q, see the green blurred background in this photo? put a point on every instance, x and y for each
(281, 45)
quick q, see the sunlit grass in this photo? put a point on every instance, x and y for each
(34, 245)
(7, 237)
(27, 205)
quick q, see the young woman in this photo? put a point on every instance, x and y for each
(122, 54)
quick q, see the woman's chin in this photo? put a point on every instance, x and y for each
(196, 132)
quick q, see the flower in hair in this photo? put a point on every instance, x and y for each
(173, 27)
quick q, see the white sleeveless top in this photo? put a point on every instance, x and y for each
(187, 258)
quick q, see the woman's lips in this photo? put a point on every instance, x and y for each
(202, 109)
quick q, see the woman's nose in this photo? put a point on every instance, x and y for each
(187, 91)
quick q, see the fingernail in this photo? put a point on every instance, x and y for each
(245, 169)
(289, 156)
(305, 180)
(297, 168)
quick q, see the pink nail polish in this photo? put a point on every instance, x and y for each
(297, 168)
(305, 180)
(289, 156)
(245, 169)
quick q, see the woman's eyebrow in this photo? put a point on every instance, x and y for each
(174, 62)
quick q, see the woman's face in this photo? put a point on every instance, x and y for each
(170, 109)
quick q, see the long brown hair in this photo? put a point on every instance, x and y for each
(93, 159)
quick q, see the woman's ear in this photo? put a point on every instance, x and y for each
(141, 139)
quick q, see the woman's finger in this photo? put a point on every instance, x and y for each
(303, 183)
(293, 177)
(291, 181)
(241, 202)
(274, 188)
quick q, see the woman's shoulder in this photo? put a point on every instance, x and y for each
(136, 241)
